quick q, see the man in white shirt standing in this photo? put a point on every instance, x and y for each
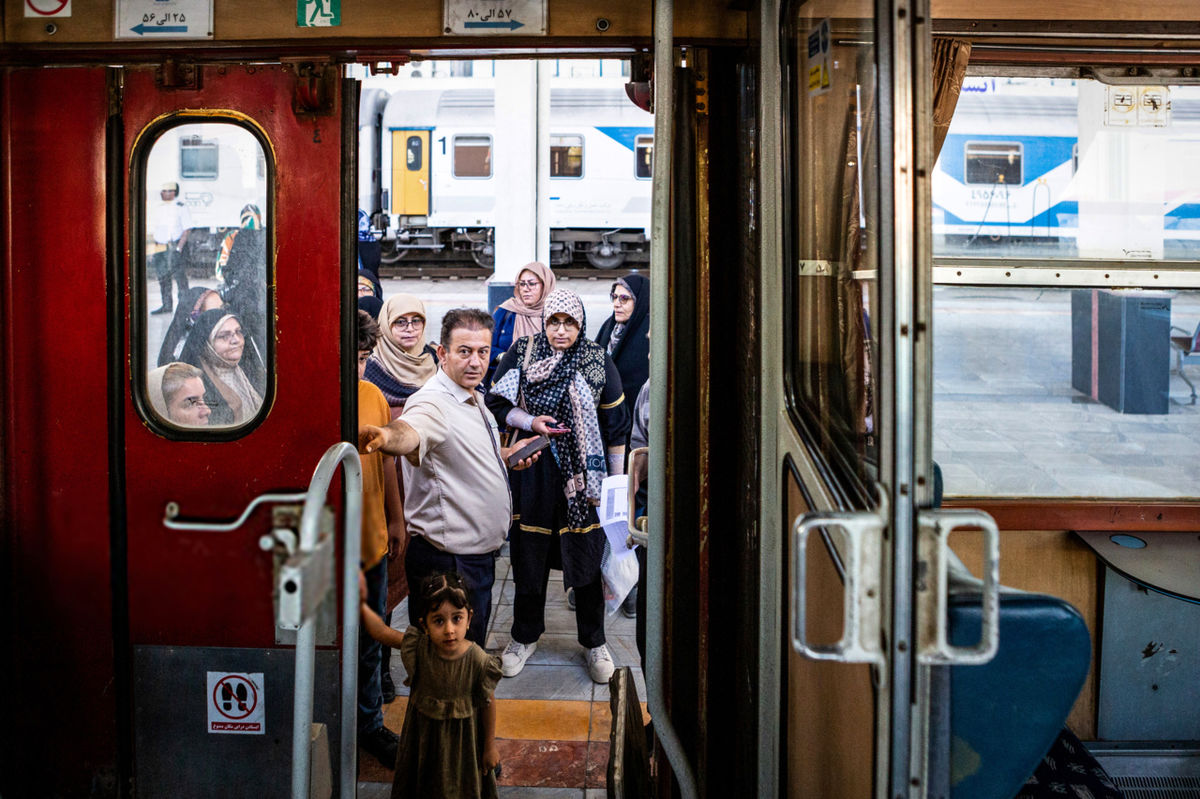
(457, 504)
(170, 224)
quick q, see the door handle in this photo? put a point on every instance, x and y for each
(933, 593)
(171, 514)
(860, 559)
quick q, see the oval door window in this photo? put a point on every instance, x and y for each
(415, 156)
(205, 318)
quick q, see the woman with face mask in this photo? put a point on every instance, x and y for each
(560, 385)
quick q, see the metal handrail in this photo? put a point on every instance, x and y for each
(172, 511)
(660, 259)
(346, 455)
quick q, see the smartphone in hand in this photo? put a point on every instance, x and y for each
(528, 448)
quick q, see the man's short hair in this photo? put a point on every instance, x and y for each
(466, 318)
(368, 331)
(175, 375)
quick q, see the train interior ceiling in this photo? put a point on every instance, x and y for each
(1058, 238)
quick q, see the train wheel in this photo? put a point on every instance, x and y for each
(484, 254)
(602, 261)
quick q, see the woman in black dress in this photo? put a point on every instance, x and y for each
(559, 384)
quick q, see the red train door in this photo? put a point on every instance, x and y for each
(234, 180)
(211, 194)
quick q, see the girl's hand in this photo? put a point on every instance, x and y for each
(546, 426)
(491, 757)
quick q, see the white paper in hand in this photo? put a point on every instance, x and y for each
(614, 511)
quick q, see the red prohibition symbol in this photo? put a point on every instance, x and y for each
(59, 5)
(235, 697)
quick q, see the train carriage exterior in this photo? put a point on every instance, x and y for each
(826, 615)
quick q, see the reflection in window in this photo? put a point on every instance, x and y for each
(566, 156)
(206, 264)
(472, 156)
(644, 156)
(414, 154)
(832, 324)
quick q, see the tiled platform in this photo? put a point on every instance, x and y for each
(552, 721)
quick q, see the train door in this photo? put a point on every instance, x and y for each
(242, 303)
(852, 453)
(174, 336)
(410, 174)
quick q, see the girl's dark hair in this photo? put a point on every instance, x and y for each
(442, 587)
(368, 331)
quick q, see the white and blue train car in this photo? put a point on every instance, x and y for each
(439, 190)
(1006, 165)
(1011, 175)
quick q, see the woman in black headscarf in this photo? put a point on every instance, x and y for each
(234, 377)
(559, 384)
(623, 335)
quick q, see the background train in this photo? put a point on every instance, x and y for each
(428, 178)
(1015, 168)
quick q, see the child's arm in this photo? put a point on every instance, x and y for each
(487, 723)
(393, 509)
(377, 629)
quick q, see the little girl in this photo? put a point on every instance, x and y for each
(448, 744)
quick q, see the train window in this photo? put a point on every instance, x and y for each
(1065, 392)
(566, 156)
(414, 156)
(198, 159)
(993, 163)
(831, 321)
(643, 163)
(472, 156)
(203, 359)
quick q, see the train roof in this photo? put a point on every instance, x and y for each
(427, 107)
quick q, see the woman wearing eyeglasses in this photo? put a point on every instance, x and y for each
(623, 335)
(233, 375)
(560, 385)
(521, 314)
(402, 361)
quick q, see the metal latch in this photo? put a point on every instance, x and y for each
(933, 592)
(860, 550)
(305, 579)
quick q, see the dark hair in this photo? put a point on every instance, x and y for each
(368, 331)
(468, 318)
(438, 588)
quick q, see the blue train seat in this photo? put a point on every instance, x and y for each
(1006, 714)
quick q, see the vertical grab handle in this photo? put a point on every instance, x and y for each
(860, 560)
(934, 594)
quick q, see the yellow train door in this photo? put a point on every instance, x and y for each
(410, 172)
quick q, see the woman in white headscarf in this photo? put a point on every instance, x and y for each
(234, 378)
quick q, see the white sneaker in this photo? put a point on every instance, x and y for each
(600, 664)
(514, 657)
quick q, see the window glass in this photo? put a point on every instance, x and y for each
(993, 162)
(566, 156)
(414, 157)
(198, 159)
(1073, 169)
(472, 156)
(644, 156)
(1056, 392)
(833, 201)
(206, 326)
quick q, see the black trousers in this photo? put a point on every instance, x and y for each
(529, 551)
(167, 265)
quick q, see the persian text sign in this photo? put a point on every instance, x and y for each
(494, 17)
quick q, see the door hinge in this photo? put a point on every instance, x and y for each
(172, 74)
(316, 86)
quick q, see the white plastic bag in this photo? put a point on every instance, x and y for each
(619, 572)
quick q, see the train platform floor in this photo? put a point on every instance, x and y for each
(552, 721)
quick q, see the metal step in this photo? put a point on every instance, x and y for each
(1151, 771)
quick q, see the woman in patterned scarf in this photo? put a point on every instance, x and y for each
(559, 384)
